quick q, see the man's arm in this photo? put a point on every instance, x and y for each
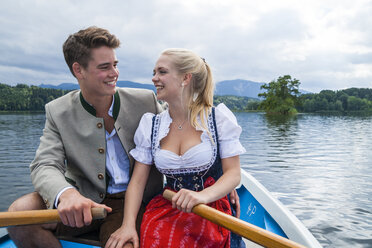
(48, 166)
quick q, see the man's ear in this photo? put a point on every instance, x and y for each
(78, 70)
(187, 78)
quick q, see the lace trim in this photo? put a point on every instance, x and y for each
(155, 134)
(155, 146)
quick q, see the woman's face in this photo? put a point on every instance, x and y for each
(167, 80)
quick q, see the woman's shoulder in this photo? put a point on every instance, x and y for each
(147, 116)
(228, 132)
(224, 114)
(146, 120)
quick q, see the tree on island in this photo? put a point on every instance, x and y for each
(281, 96)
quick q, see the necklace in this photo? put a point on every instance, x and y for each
(180, 125)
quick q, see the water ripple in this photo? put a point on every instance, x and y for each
(320, 167)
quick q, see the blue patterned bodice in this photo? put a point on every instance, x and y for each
(191, 178)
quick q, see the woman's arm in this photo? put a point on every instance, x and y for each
(134, 192)
(133, 198)
(185, 200)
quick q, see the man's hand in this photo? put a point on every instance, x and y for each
(234, 198)
(75, 210)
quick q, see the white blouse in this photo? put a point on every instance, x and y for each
(197, 156)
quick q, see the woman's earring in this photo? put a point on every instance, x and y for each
(183, 84)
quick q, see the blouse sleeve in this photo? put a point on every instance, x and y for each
(228, 132)
(142, 140)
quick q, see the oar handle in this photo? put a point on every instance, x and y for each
(240, 227)
(39, 217)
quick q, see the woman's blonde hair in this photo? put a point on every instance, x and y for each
(201, 90)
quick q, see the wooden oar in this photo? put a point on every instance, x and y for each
(39, 217)
(240, 227)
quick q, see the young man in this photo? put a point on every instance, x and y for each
(82, 160)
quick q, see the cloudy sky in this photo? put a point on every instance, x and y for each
(326, 44)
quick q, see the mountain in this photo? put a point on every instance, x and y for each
(238, 87)
(72, 86)
(130, 84)
(63, 86)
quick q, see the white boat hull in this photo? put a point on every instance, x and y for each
(260, 208)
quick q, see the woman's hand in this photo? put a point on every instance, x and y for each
(235, 200)
(184, 200)
(122, 237)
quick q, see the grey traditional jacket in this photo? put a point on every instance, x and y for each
(72, 149)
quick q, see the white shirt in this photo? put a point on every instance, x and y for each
(197, 156)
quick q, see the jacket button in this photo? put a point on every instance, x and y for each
(100, 176)
(101, 150)
(99, 125)
(46, 203)
(101, 195)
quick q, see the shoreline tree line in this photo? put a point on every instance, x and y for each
(26, 98)
(281, 96)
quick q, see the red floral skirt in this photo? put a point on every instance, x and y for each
(164, 226)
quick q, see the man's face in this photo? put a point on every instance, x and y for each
(100, 77)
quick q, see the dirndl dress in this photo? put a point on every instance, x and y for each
(164, 226)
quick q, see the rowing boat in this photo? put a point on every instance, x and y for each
(258, 207)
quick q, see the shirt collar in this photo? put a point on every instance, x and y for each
(111, 107)
(114, 108)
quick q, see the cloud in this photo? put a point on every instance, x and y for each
(324, 44)
(22, 75)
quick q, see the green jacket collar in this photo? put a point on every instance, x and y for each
(89, 108)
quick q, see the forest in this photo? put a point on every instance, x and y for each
(32, 98)
(26, 98)
(347, 100)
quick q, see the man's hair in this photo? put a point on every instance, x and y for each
(78, 46)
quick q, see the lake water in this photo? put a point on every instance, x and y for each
(319, 166)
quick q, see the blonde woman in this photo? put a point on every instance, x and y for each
(196, 146)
